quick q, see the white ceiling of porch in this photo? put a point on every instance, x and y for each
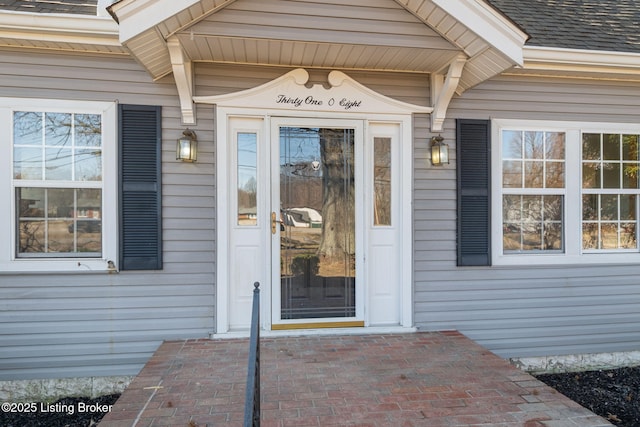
(314, 54)
(374, 35)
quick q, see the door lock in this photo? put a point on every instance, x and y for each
(274, 223)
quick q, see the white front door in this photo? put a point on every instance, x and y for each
(315, 215)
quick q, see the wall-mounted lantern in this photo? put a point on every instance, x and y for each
(439, 151)
(187, 146)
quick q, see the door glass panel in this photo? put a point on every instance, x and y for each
(247, 178)
(382, 181)
(317, 223)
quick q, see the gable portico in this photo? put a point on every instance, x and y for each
(459, 44)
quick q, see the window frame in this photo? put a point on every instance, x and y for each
(572, 216)
(9, 261)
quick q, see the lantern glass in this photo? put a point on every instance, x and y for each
(439, 152)
(186, 149)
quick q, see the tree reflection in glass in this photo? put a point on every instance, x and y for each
(317, 239)
(56, 152)
(533, 180)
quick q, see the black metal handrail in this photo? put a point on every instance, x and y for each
(252, 396)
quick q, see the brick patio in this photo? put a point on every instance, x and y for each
(419, 379)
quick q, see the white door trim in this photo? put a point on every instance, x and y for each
(366, 106)
(223, 115)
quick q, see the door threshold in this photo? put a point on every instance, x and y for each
(321, 331)
(317, 325)
(340, 331)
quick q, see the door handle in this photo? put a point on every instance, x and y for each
(274, 223)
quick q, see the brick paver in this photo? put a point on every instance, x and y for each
(420, 379)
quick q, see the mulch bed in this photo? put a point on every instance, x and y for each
(612, 394)
(66, 412)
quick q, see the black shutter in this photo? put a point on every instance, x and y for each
(474, 196)
(140, 187)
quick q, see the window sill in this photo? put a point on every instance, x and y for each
(561, 259)
(44, 266)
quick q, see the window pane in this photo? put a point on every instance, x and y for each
(620, 166)
(554, 175)
(606, 221)
(511, 240)
(611, 175)
(630, 176)
(531, 233)
(59, 237)
(533, 174)
(247, 178)
(59, 221)
(27, 163)
(89, 203)
(590, 236)
(27, 128)
(628, 207)
(31, 205)
(611, 146)
(555, 143)
(382, 181)
(512, 223)
(57, 129)
(88, 165)
(628, 236)
(608, 207)
(543, 165)
(552, 208)
(511, 209)
(532, 223)
(88, 130)
(31, 236)
(52, 221)
(591, 146)
(630, 147)
(88, 220)
(533, 145)
(511, 174)
(590, 207)
(511, 144)
(552, 223)
(58, 164)
(60, 202)
(531, 208)
(631, 164)
(57, 146)
(31, 202)
(608, 236)
(591, 175)
(553, 237)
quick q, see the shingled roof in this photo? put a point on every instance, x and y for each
(78, 7)
(606, 25)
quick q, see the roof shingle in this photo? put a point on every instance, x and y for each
(77, 7)
(606, 25)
